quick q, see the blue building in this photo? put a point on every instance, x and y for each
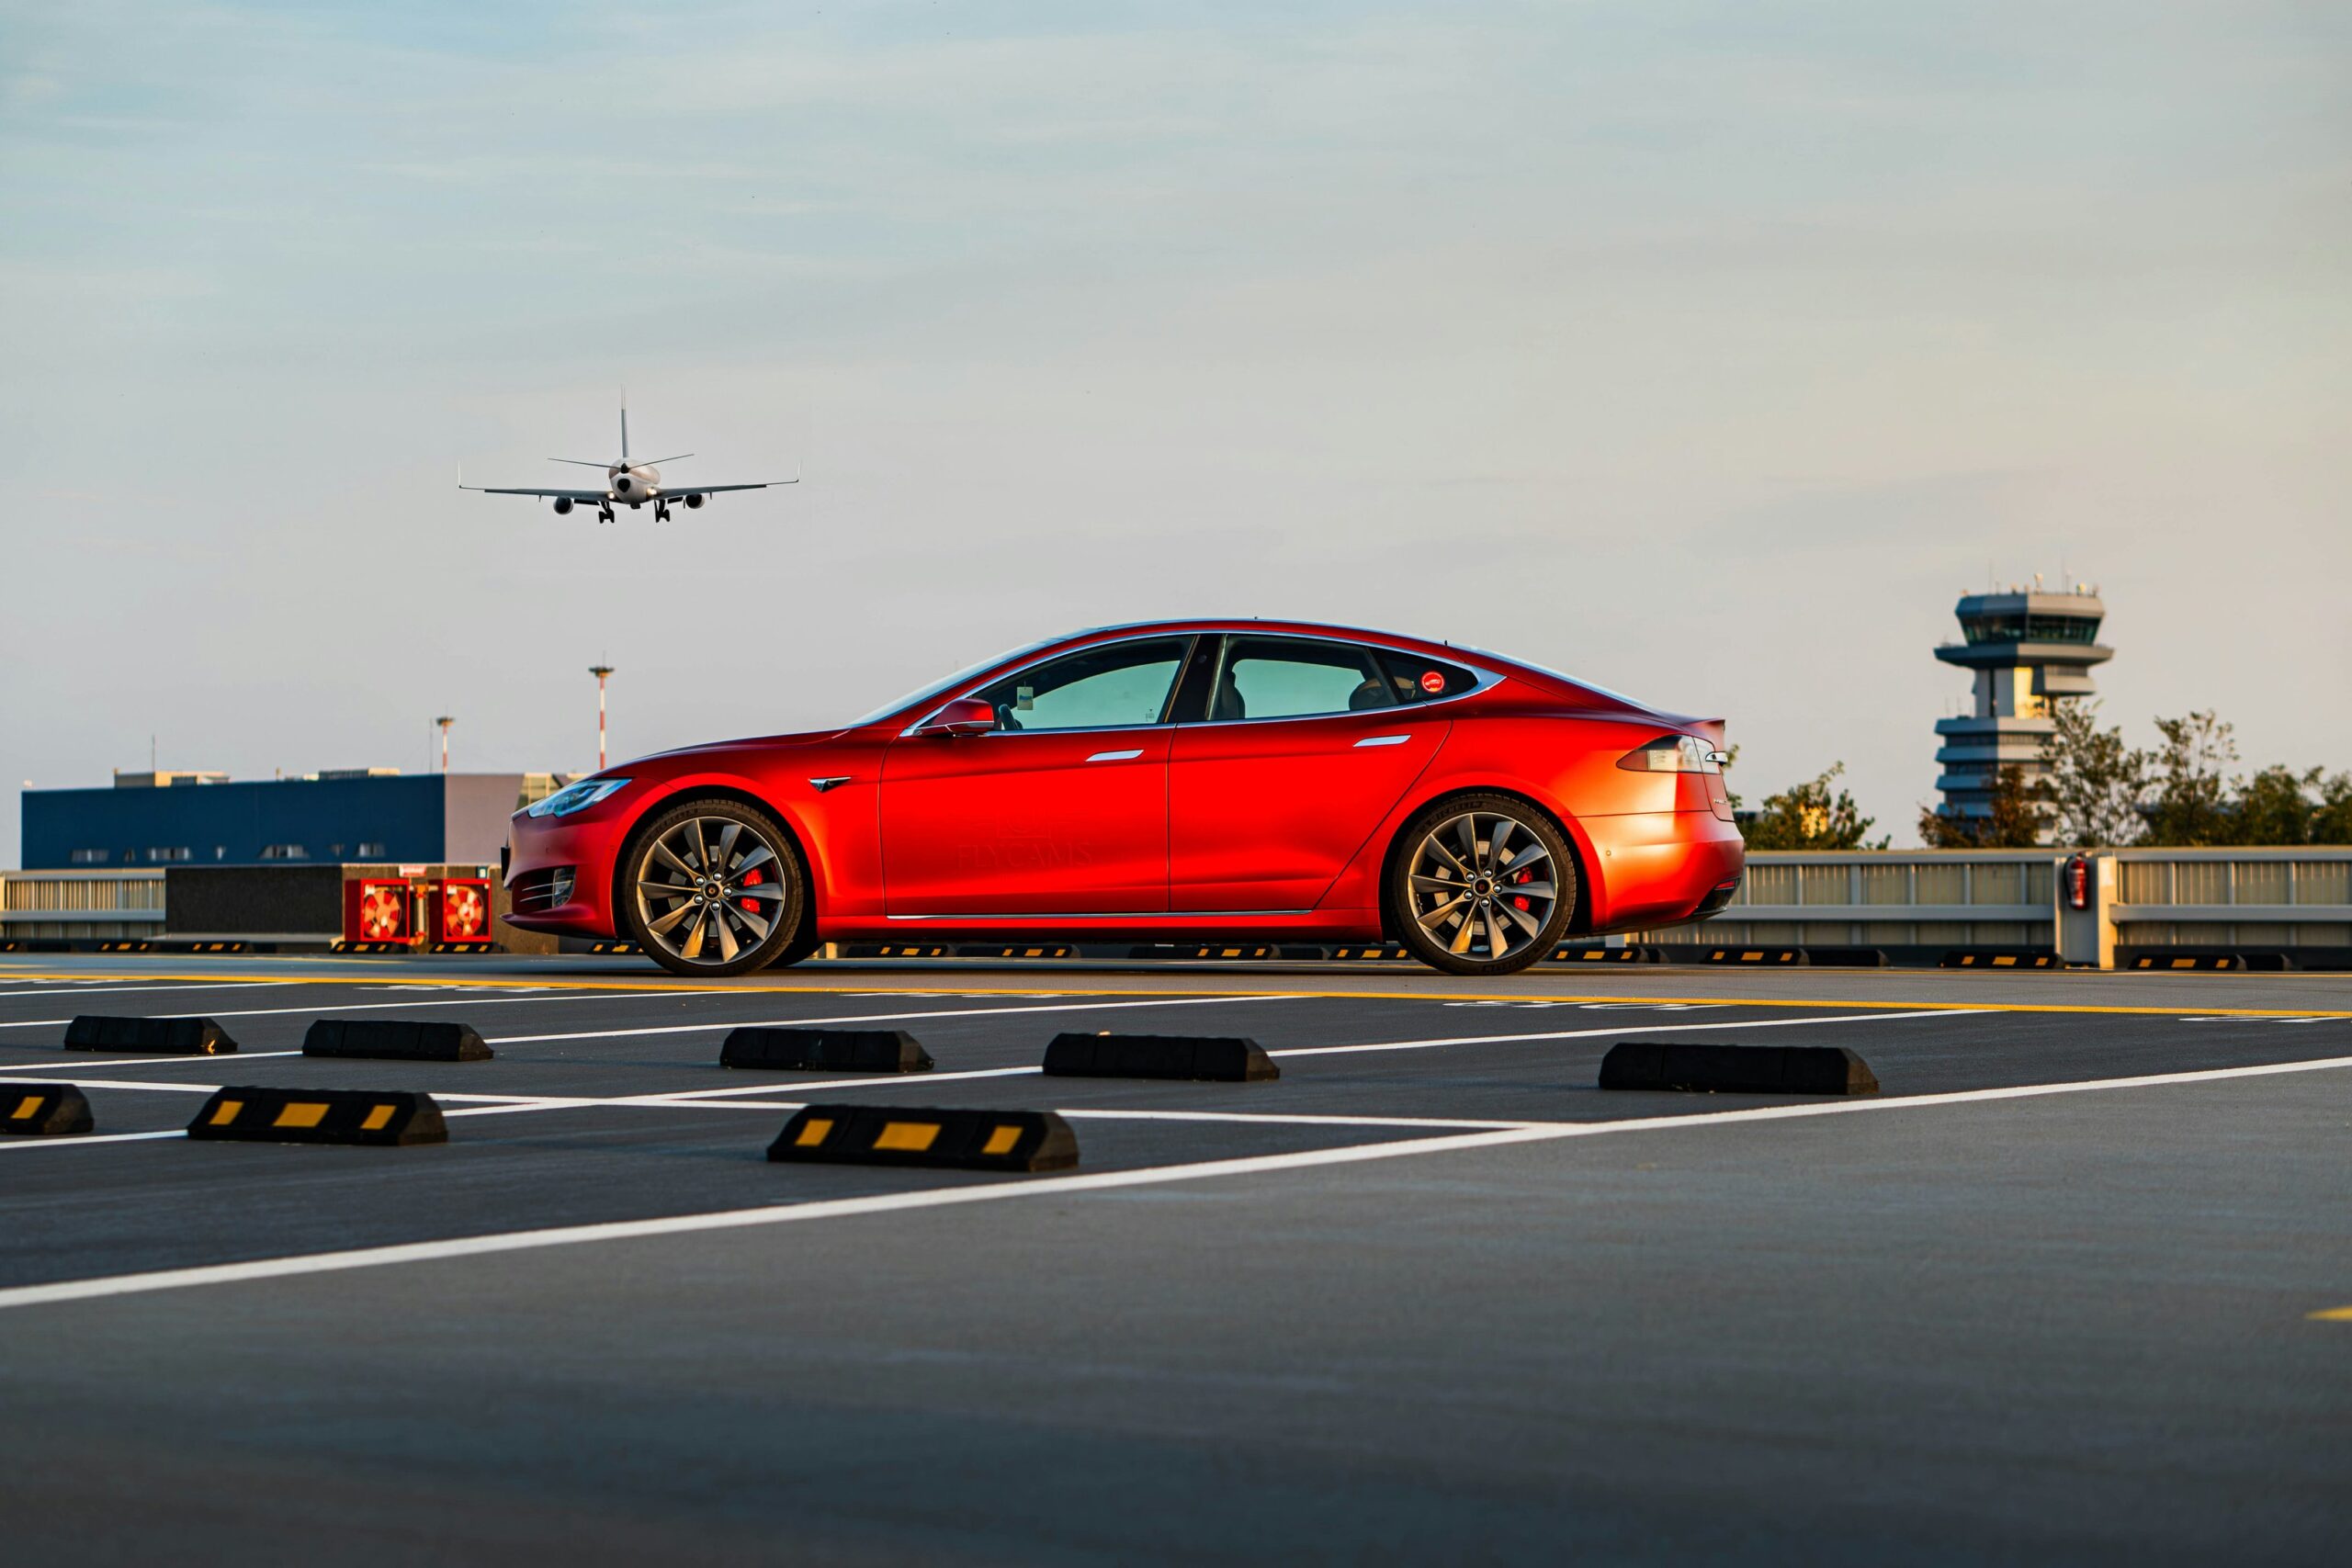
(204, 819)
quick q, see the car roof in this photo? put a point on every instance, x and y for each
(1570, 687)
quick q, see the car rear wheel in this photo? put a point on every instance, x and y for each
(1481, 885)
(712, 887)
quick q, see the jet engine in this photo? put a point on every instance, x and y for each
(563, 504)
(694, 502)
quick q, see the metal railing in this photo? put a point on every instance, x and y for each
(88, 904)
(2285, 898)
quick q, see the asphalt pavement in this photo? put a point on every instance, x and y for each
(2063, 1289)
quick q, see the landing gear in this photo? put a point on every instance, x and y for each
(605, 513)
(662, 511)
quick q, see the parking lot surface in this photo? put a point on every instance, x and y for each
(2076, 1283)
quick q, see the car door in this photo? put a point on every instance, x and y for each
(1303, 746)
(1061, 809)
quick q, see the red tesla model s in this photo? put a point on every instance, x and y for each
(1164, 782)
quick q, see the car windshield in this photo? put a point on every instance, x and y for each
(941, 687)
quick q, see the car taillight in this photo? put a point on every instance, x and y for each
(1672, 755)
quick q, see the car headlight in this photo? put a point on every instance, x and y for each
(574, 797)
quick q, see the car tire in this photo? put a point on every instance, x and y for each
(741, 895)
(1516, 876)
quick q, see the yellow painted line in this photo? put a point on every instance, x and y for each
(2333, 1314)
(937, 983)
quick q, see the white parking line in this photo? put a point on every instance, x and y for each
(160, 1060)
(1621, 1029)
(1052, 1187)
(493, 1104)
(376, 1007)
(871, 1018)
(79, 990)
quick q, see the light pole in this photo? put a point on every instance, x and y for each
(445, 721)
(600, 671)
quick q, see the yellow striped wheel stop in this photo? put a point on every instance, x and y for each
(1664, 1064)
(1780, 956)
(824, 1049)
(1219, 1058)
(320, 1116)
(164, 1036)
(911, 1135)
(43, 1109)
(395, 1040)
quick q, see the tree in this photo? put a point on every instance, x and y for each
(2272, 809)
(2095, 780)
(2332, 823)
(2019, 816)
(2190, 806)
(1810, 817)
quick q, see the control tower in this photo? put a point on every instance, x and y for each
(2027, 650)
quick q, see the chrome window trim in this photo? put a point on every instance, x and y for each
(989, 678)
(1482, 679)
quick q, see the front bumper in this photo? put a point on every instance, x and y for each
(558, 872)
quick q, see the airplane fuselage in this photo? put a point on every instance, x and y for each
(633, 485)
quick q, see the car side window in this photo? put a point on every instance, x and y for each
(1270, 677)
(1418, 680)
(1100, 688)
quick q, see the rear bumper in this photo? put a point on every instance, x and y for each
(1661, 868)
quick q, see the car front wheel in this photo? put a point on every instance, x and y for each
(712, 888)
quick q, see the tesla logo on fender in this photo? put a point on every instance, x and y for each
(1433, 682)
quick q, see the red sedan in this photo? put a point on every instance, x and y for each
(1175, 781)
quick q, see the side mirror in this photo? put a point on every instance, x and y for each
(965, 715)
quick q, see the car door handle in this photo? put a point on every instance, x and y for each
(1382, 740)
(1116, 756)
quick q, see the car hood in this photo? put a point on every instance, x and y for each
(716, 756)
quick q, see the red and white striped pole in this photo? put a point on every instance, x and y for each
(600, 671)
(445, 721)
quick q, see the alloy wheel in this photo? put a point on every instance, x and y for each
(1482, 886)
(709, 890)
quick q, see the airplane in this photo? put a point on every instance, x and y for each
(627, 482)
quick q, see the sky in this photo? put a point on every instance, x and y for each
(1709, 351)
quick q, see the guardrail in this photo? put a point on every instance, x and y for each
(86, 903)
(2294, 897)
(1917, 901)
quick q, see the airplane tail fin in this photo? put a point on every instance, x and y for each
(624, 427)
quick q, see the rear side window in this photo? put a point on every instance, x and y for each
(1418, 680)
(1280, 677)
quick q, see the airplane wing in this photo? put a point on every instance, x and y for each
(590, 496)
(674, 491)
